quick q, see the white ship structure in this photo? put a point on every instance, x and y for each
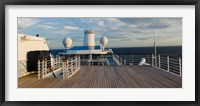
(26, 45)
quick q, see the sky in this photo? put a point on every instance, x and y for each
(121, 32)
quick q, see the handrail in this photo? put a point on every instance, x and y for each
(22, 69)
(69, 66)
(163, 62)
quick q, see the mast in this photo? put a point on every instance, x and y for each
(154, 45)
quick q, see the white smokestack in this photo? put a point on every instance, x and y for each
(89, 38)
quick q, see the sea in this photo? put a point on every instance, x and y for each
(172, 51)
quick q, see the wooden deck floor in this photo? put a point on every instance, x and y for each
(107, 77)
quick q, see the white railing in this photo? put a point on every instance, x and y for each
(21, 67)
(166, 63)
(68, 66)
(58, 61)
(43, 68)
(118, 60)
(133, 59)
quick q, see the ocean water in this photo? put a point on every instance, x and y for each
(172, 51)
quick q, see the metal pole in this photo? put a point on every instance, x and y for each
(159, 60)
(39, 69)
(45, 66)
(42, 68)
(79, 58)
(58, 60)
(155, 60)
(124, 62)
(121, 60)
(71, 70)
(168, 63)
(180, 68)
(64, 68)
(132, 58)
(152, 60)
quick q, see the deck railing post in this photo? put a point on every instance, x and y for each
(152, 60)
(159, 61)
(79, 61)
(155, 60)
(39, 68)
(56, 60)
(132, 58)
(121, 60)
(76, 62)
(67, 67)
(45, 67)
(180, 67)
(124, 62)
(59, 60)
(64, 70)
(71, 67)
(42, 68)
(168, 63)
(117, 57)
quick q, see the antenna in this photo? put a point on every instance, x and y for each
(155, 52)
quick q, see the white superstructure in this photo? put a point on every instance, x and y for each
(89, 38)
(27, 43)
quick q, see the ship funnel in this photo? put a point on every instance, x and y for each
(89, 38)
(67, 42)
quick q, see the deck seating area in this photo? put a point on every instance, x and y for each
(107, 77)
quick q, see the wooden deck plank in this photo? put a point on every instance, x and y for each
(107, 77)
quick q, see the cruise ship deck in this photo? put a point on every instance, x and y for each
(107, 77)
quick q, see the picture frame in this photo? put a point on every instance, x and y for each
(100, 2)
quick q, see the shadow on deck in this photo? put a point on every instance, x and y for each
(107, 77)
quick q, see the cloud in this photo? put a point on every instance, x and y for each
(159, 25)
(27, 22)
(45, 27)
(71, 28)
(101, 24)
(132, 26)
(67, 29)
(120, 31)
(51, 23)
(112, 19)
(77, 39)
(145, 38)
(150, 23)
